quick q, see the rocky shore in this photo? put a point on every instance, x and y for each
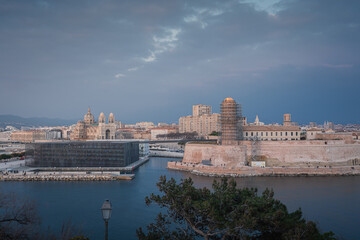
(212, 171)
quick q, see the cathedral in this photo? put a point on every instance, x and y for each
(88, 129)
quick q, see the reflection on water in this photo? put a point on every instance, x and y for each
(331, 201)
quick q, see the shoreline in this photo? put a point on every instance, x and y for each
(212, 171)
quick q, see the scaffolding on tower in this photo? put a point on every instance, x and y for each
(231, 122)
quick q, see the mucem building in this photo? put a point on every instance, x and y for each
(82, 154)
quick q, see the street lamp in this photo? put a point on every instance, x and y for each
(106, 214)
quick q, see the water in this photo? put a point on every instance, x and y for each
(333, 202)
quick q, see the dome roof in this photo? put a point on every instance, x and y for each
(89, 118)
(102, 114)
(229, 99)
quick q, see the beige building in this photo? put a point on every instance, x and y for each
(88, 129)
(27, 136)
(202, 121)
(312, 132)
(200, 109)
(271, 133)
(157, 132)
(145, 124)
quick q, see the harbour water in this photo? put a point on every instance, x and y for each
(332, 202)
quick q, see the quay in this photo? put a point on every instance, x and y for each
(78, 176)
(16, 171)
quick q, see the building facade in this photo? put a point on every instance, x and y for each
(203, 122)
(271, 133)
(82, 154)
(88, 129)
(27, 136)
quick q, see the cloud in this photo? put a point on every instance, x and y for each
(165, 43)
(200, 15)
(150, 58)
(133, 69)
(195, 19)
(269, 6)
(119, 75)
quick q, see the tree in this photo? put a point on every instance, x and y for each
(226, 212)
(17, 217)
(19, 220)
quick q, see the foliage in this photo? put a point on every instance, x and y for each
(226, 212)
(17, 217)
(8, 156)
(186, 135)
(214, 133)
(19, 220)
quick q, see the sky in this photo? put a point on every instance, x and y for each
(152, 60)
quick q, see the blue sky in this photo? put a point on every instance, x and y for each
(152, 60)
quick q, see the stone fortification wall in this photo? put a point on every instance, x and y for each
(219, 155)
(277, 153)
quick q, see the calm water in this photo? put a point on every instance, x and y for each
(333, 202)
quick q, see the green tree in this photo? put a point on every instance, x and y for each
(226, 212)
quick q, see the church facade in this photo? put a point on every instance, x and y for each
(88, 129)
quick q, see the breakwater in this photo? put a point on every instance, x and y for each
(72, 177)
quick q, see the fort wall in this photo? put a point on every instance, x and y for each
(277, 153)
(219, 155)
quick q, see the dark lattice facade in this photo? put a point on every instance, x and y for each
(82, 154)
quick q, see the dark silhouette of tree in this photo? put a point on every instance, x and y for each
(226, 212)
(19, 221)
(17, 217)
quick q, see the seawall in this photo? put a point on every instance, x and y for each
(246, 171)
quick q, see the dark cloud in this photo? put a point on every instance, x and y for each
(152, 60)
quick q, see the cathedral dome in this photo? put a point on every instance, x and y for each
(89, 118)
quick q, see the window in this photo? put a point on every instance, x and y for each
(292, 133)
(286, 134)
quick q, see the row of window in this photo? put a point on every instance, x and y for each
(266, 134)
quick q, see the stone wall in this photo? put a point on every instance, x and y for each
(277, 153)
(219, 155)
(245, 171)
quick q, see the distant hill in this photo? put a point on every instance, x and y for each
(18, 122)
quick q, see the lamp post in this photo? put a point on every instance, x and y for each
(106, 214)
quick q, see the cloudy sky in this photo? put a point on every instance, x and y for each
(152, 60)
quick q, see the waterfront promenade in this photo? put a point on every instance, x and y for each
(16, 171)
